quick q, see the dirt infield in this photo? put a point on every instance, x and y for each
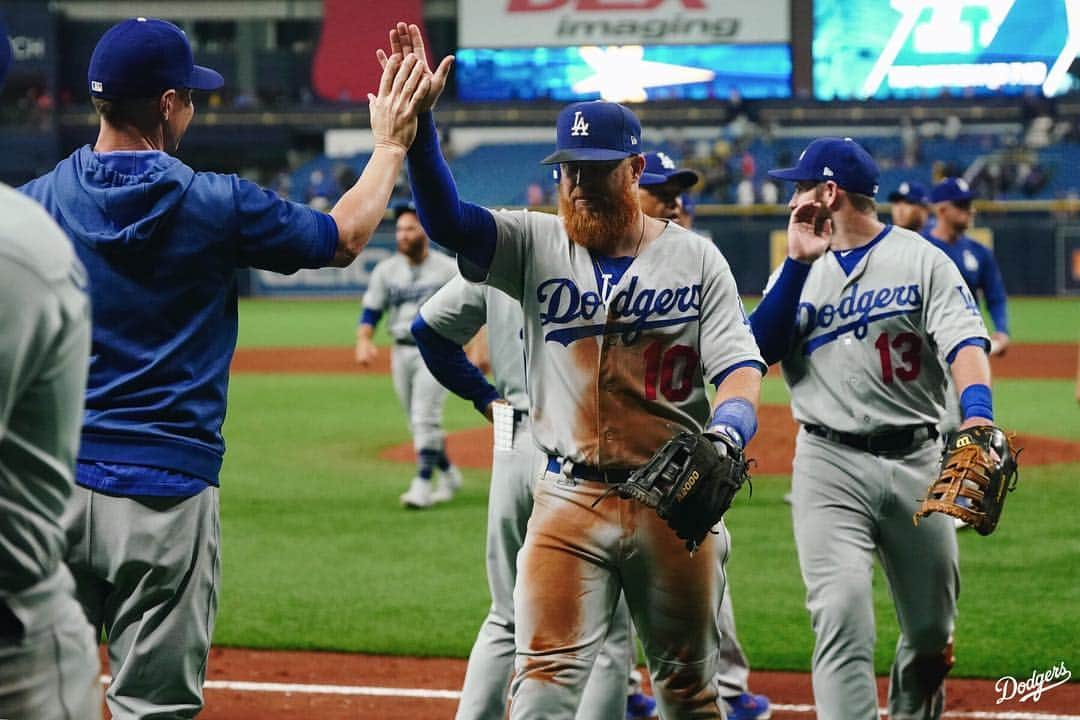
(1021, 361)
(251, 684)
(390, 686)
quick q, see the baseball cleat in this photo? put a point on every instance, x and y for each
(640, 706)
(449, 482)
(419, 495)
(748, 707)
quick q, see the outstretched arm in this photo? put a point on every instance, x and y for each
(463, 227)
(393, 122)
(449, 365)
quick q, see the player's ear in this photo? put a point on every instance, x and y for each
(165, 103)
(637, 166)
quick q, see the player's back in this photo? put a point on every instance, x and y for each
(161, 244)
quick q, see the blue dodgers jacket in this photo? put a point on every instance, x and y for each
(161, 243)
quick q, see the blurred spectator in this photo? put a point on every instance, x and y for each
(744, 192)
(534, 195)
(770, 193)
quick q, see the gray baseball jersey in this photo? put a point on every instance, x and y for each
(399, 288)
(868, 359)
(461, 308)
(48, 660)
(609, 386)
(870, 343)
(613, 372)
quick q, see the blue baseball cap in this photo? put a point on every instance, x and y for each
(400, 208)
(952, 189)
(841, 160)
(660, 169)
(909, 192)
(144, 57)
(5, 50)
(595, 130)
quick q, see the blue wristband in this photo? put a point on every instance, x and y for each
(976, 401)
(736, 414)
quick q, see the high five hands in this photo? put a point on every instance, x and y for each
(406, 40)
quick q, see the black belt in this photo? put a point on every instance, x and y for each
(520, 415)
(588, 472)
(405, 343)
(893, 440)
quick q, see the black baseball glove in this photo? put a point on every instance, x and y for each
(978, 467)
(691, 482)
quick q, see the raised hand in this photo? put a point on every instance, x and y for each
(405, 39)
(393, 111)
(810, 231)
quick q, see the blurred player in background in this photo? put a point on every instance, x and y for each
(952, 198)
(909, 206)
(661, 190)
(48, 657)
(161, 244)
(399, 286)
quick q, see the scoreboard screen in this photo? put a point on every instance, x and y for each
(624, 73)
(924, 48)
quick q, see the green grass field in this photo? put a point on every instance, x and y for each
(318, 554)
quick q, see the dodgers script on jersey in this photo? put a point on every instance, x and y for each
(611, 381)
(400, 288)
(879, 337)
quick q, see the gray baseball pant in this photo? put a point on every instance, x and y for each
(514, 474)
(848, 506)
(147, 571)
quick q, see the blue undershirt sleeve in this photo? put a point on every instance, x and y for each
(994, 290)
(465, 228)
(773, 320)
(978, 341)
(370, 316)
(448, 363)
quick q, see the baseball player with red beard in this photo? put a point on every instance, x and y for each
(626, 318)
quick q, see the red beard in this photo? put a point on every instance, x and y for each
(607, 220)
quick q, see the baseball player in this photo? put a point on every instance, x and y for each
(399, 285)
(161, 244)
(48, 660)
(444, 324)
(626, 318)
(858, 316)
(909, 206)
(660, 191)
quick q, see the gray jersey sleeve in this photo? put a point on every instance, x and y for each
(375, 296)
(513, 245)
(44, 352)
(951, 313)
(726, 336)
(457, 311)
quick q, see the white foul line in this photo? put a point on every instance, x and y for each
(247, 686)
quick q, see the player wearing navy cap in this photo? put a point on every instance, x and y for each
(161, 244)
(399, 285)
(952, 200)
(626, 318)
(909, 206)
(863, 318)
(48, 656)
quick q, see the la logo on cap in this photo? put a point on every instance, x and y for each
(666, 162)
(580, 127)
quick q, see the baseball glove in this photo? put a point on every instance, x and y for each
(690, 482)
(978, 467)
